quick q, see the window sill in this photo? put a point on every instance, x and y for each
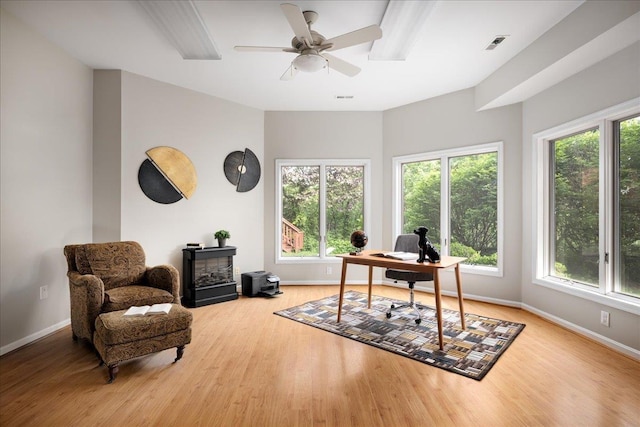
(308, 260)
(480, 270)
(610, 300)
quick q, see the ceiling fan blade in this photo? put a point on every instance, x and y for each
(289, 74)
(363, 35)
(341, 66)
(264, 49)
(297, 22)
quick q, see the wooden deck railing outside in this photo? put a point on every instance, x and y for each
(292, 237)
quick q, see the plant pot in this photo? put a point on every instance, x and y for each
(222, 243)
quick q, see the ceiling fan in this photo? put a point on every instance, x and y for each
(311, 46)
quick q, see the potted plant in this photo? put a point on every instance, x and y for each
(222, 236)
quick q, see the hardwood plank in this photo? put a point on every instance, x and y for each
(248, 367)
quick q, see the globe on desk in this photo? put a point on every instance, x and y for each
(359, 240)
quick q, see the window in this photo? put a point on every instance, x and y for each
(320, 203)
(456, 194)
(627, 206)
(574, 186)
(587, 207)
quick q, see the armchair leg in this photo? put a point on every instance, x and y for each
(179, 353)
(113, 371)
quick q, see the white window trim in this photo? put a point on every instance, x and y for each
(442, 155)
(322, 163)
(540, 212)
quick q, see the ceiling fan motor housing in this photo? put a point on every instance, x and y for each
(317, 39)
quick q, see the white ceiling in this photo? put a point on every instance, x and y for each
(450, 54)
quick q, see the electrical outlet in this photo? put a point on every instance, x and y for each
(236, 270)
(329, 270)
(604, 318)
(44, 292)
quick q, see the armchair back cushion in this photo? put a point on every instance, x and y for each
(117, 264)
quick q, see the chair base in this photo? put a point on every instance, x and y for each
(410, 304)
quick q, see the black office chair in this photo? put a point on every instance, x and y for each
(407, 243)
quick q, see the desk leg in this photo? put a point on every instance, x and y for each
(436, 286)
(460, 297)
(370, 283)
(342, 279)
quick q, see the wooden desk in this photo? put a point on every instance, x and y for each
(365, 258)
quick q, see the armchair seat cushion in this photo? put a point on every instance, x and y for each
(126, 296)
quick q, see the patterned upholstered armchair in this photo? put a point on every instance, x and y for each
(113, 276)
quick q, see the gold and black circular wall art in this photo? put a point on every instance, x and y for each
(242, 169)
(167, 175)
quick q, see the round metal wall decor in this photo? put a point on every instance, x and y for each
(167, 175)
(242, 169)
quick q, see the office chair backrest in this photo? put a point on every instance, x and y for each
(407, 243)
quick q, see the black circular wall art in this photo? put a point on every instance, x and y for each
(155, 186)
(242, 169)
(167, 175)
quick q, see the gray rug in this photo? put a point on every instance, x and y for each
(471, 352)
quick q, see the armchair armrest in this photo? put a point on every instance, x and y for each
(165, 277)
(87, 297)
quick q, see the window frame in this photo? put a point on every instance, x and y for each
(551, 207)
(444, 156)
(541, 196)
(322, 164)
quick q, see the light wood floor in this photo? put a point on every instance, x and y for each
(248, 367)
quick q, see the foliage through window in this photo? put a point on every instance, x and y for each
(461, 215)
(627, 205)
(320, 203)
(575, 188)
(588, 208)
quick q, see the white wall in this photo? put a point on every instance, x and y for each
(608, 83)
(321, 135)
(206, 129)
(451, 121)
(107, 154)
(46, 168)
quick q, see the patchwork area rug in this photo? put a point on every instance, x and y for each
(471, 352)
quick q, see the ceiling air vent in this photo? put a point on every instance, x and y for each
(496, 41)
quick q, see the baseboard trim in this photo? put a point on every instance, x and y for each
(33, 337)
(601, 339)
(322, 282)
(454, 294)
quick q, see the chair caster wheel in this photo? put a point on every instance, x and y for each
(392, 306)
(418, 321)
(388, 315)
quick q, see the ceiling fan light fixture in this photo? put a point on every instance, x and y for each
(309, 62)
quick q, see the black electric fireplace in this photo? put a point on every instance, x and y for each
(207, 276)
